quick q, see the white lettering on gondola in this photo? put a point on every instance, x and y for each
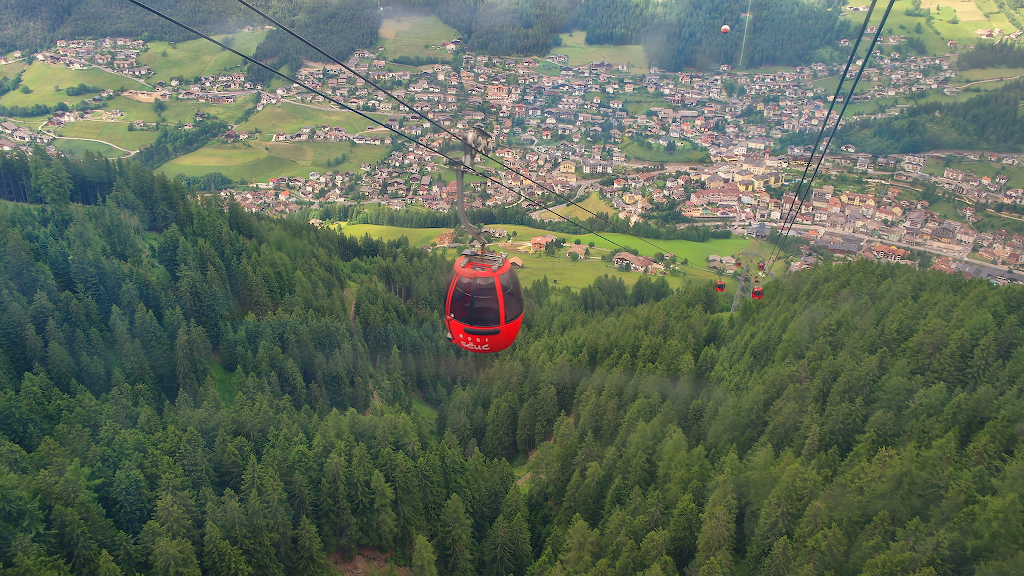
(472, 346)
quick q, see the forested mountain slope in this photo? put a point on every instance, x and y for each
(37, 24)
(685, 34)
(186, 389)
(677, 35)
(337, 26)
(988, 121)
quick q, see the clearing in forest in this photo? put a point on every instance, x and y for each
(415, 36)
(258, 161)
(48, 83)
(574, 45)
(198, 57)
(966, 10)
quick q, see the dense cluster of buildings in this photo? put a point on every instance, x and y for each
(559, 128)
(117, 54)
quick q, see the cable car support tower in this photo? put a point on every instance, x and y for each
(477, 141)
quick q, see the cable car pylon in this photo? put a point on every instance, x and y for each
(736, 296)
(477, 141)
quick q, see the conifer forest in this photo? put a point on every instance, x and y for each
(187, 389)
(677, 35)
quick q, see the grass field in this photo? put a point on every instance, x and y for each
(685, 152)
(11, 69)
(42, 78)
(290, 117)
(226, 384)
(593, 203)
(966, 10)
(114, 132)
(639, 103)
(416, 236)
(177, 110)
(990, 169)
(986, 73)
(972, 16)
(408, 35)
(197, 57)
(548, 68)
(829, 85)
(582, 273)
(873, 106)
(254, 165)
(30, 123)
(574, 45)
(80, 147)
(260, 161)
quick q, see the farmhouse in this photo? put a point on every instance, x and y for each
(636, 263)
(539, 243)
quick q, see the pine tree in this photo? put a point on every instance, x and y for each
(220, 558)
(408, 503)
(107, 567)
(334, 508)
(579, 548)
(497, 547)
(129, 492)
(455, 539)
(309, 550)
(717, 536)
(174, 557)
(383, 517)
(424, 561)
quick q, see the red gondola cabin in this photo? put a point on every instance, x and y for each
(760, 265)
(758, 292)
(720, 286)
(484, 308)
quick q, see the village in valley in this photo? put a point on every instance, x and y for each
(639, 141)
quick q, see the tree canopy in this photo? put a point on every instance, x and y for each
(188, 388)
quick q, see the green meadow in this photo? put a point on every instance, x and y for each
(882, 104)
(416, 236)
(574, 45)
(115, 133)
(198, 57)
(289, 117)
(586, 208)
(548, 68)
(972, 15)
(414, 35)
(583, 272)
(48, 83)
(685, 152)
(988, 73)
(259, 161)
(990, 169)
(638, 102)
(175, 110)
(13, 68)
(80, 147)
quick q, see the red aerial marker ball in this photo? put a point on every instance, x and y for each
(725, 29)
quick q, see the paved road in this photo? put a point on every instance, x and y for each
(989, 80)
